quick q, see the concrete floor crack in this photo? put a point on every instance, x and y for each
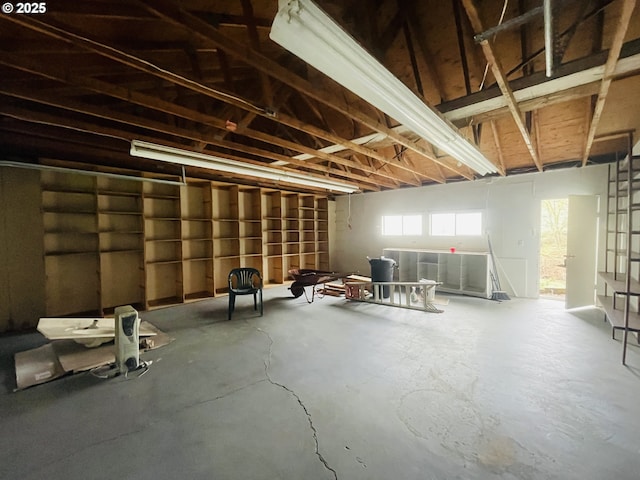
(267, 365)
(204, 401)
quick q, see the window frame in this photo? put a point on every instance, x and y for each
(455, 214)
(403, 230)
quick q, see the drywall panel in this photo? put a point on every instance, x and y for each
(21, 256)
(511, 208)
(512, 274)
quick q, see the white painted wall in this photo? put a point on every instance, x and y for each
(511, 209)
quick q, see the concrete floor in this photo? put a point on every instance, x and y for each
(340, 390)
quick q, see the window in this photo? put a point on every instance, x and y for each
(402, 225)
(443, 224)
(456, 224)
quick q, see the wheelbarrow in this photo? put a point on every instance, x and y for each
(311, 278)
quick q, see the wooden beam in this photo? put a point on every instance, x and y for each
(14, 138)
(527, 106)
(507, 25)
(254, 41)
(393, 28)
(474, 17)
(126, 120)
(540, 51)
(613, 136)
(569, 77)
(148, 67)
(563, 40)
(147, 101)
(537, 131)
(496, 140)
(524, 41)
(609, 68)
(412, 59)
(596, 44)
(461, 47)
(427, 56)
(226, 70)
(132, 121)
(177, 16)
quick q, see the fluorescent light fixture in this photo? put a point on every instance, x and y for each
(306, 31)
(201, 160)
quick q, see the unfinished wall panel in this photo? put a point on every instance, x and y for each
(21, 250)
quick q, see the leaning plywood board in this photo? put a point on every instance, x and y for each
(83, 328)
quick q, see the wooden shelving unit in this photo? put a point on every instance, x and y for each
(322, 234)
(71, 244)
(121, 241)
(272, 230)
(250, 227)
(197, 241)
(162, 245)
(226, 234)
(621, 274)
(307, 236)
(111, 241)
(290, 232)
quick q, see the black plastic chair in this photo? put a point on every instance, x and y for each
(245, 281)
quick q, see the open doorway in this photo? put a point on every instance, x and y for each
(554, 217)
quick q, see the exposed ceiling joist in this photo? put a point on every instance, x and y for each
(207, 77)
(116, 132)
(501, 79)
(147, 67)
(579, 73)
(177, 16)
(496, 141)
(51, 72)
(614, 52)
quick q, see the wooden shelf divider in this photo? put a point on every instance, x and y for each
(110, 241)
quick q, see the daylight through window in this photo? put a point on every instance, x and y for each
(402, 225)
(456, 224)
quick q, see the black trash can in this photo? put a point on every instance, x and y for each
(382, 271)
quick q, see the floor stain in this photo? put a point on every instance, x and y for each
(498, 452)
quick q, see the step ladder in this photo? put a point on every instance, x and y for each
(412, 295)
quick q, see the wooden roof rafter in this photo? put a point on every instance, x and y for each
(501, 79)
(254, 41)
(136, 97)
(93, 128)
(614, 53)
(595, 11)
(177, 16)
(417, 29)
(498, 145)
(126, 121)
(145, 66)
(194, 80)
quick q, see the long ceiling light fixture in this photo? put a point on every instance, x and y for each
(306, 31)
(194, 159)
